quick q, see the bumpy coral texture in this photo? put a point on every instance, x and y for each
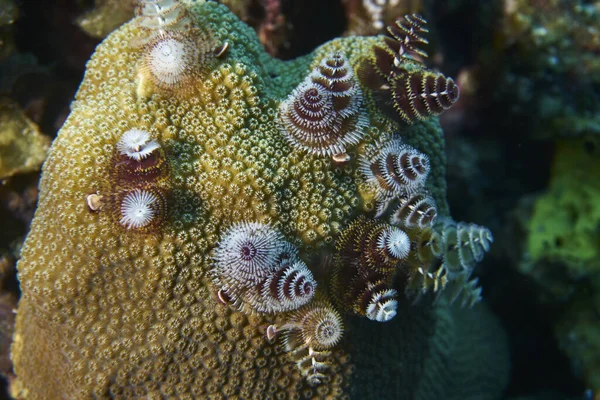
(446, 353)
(109, 311)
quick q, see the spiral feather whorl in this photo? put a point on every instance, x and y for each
(432, 277)
(428, 245)
(335, 74)
(368, 257)
(382, 306)
(259, 270)
(162, 15)
(248, 252)
(321, 328)
(174, 60)
(445, 256)
(420, 94)
(405, 36)
(402, 39)
(322, 116)
(309, 334)
(309, 120)
(395, 169)
(373, 246)
(403, 86)
(137, 193)
(289, 288)
(175, 52)
(139, 158)
(464, 289)
(464, 244)
(141, 210)
(415, 211)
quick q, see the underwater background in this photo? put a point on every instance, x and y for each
(522, 146)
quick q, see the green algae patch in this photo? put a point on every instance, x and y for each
(565, 220)
(22, 147)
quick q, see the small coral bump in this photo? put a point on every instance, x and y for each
(415, 211)
(141, 208)
(421, 94)
(382, 306)
(246, 254)
(136, 144)
(395, 243)
(395, 169)
(94, 201)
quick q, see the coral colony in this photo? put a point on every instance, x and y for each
(252, 202)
